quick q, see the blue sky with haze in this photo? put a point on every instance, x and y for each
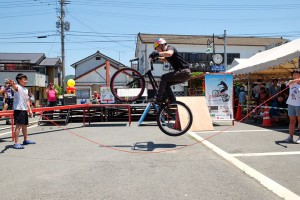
(111, 26)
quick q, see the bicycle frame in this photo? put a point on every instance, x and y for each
(152, 81)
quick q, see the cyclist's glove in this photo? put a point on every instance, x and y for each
(154, 55)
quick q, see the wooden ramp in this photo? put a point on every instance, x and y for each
(201, 117)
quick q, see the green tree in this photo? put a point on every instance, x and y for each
(59, 91)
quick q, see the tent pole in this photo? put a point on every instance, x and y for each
(249, 94)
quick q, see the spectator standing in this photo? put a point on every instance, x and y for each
(293, 102)
(274, 89)
(21, 105)
(51, 93)
(242, 96)
(32, 99)
(8, 97)
(256, 89)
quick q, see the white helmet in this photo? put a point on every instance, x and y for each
(158, 42)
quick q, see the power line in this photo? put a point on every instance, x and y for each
(185, 6)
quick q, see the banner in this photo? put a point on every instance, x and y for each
(219, 96)
(106, 95)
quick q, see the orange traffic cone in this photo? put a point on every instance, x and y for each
(177, 124)
(238, 115)
(266, 118)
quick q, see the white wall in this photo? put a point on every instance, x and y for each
(88, 65)
(97, 76)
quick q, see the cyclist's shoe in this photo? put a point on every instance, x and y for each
(26, 142)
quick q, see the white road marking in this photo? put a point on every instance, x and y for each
(10, 131)
(264, 180)
(266, 154)
(237, 131)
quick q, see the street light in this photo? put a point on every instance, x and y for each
(211, 45)
(225, 46)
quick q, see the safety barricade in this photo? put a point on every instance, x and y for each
(10, 114)
(85, 107)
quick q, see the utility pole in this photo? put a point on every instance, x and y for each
(62, 40)
(225, 51)
(214, 51)
(63, 26)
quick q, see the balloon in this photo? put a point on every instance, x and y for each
(71, 83)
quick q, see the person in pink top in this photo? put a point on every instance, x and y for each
(51, 93)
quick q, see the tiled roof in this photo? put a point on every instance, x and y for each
(202, 40)
(94, 55)
(32, 58)
(50, 62)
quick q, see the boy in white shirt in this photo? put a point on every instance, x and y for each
(21, 104)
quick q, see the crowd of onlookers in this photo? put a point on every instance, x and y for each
(272, 93)
(281, 101)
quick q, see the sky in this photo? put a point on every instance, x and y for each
(111, 26)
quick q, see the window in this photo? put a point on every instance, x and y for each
(231, 56)
(98, 58)
(83, 93)
(206, 58)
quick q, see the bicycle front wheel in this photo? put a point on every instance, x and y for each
(127, 85)
(174, 118)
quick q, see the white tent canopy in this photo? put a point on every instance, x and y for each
(276, 61)
(237, 61)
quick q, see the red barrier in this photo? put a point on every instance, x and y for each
(111, 105)
(9, 113)
(83, 106)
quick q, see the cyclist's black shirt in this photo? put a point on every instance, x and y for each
(224, 85)
(176, 60)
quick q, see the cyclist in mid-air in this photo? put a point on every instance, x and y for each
(224, 86)
(181, 73)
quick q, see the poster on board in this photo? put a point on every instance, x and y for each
(219, 96)
(106, 95)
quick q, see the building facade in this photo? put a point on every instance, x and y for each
(193, 49)
(39, 70)
(93, 72)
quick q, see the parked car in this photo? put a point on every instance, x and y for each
(1, 103)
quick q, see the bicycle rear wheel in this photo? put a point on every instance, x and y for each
(127, 85)
(174, 118)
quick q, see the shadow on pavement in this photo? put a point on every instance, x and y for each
(106, 125)
(281, 142)
(7, 147)
(147, 146)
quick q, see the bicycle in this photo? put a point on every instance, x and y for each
(128, 85)
(217, 93)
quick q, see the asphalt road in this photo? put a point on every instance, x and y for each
(117, 161)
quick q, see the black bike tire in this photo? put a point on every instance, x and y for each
(181, 132)
(114, 91)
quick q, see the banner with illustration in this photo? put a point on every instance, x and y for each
(219, 96)
(106, 95)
